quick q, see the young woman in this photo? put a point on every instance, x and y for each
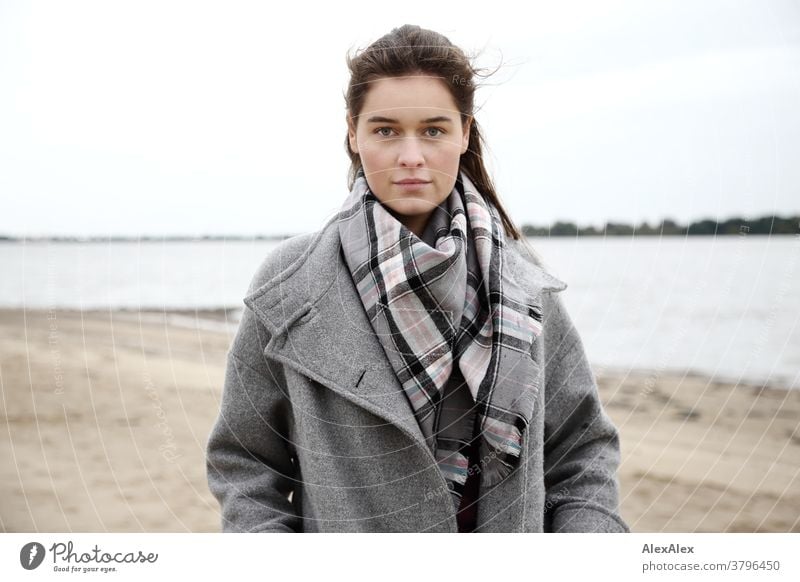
(410, 366)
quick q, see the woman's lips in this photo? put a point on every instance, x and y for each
(411, 185)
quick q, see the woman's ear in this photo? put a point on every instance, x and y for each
(465, 136)
(351, 133)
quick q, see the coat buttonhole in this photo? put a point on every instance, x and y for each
(361, 376)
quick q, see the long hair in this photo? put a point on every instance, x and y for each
(411, 50)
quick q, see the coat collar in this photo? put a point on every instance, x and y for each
(319, 327)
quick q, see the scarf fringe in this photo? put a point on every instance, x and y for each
(493, 466)
(497, 468)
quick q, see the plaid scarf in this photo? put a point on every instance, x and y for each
(445, 309)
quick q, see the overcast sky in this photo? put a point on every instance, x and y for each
(166, 117)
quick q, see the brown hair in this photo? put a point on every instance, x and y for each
(411, 50)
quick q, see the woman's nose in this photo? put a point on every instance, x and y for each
(410, 153)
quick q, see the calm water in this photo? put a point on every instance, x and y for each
(726, 306)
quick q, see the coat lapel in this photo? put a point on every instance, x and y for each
(319, 327)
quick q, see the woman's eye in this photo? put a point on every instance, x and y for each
(380, 130)
(436, 129)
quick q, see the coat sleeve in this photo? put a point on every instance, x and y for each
(249, 460)
(581, 448)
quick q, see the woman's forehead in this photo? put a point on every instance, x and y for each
(408, 98)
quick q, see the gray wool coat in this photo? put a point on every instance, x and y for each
(315, 433)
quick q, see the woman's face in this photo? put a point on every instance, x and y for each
(409, 129)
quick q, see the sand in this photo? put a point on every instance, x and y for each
(105, 417)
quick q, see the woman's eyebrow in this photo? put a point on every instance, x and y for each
(437, 119)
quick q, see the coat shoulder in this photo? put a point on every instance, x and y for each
(530, 270)
(281, 259)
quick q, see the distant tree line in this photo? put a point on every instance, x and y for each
(667, 227)
(735, 225)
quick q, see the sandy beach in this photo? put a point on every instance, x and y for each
(105, 417)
